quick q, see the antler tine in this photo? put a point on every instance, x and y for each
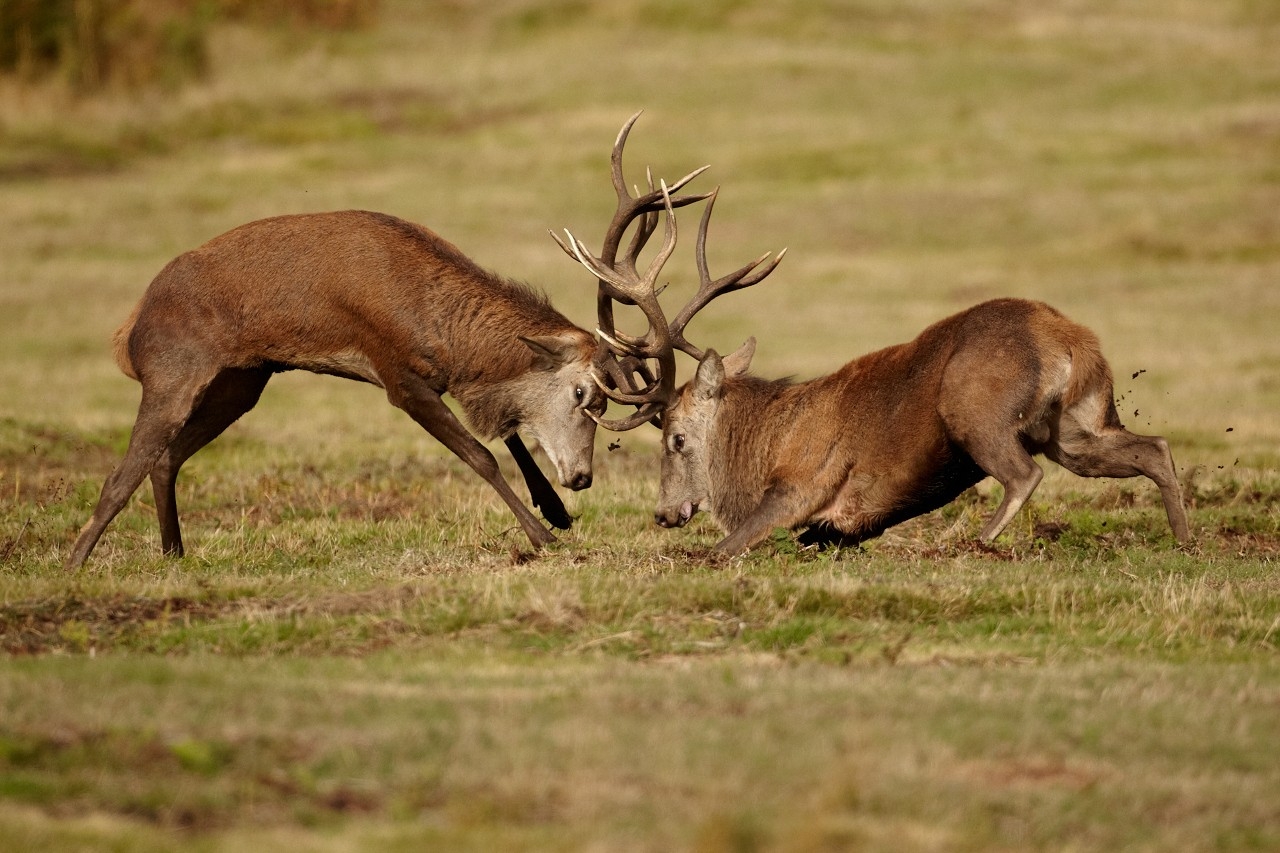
(621, 344)
(653, 202)
(562, 244)
(615, 281)
(645, 226)
(622, 282)
(610, 288)
(619, 280)
(629, 207)
(615, 158)
(620, 373)
(654, 199)
(627, 398)
(708, 289)
(642, 415)
(681, 201)
(668, 246)
(656, 342)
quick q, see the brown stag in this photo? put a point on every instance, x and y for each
(891, 435)
(369, 297)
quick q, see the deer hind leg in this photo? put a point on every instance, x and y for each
(162, 413)
(230, 395)
(1011, 465)
(425, 406)
(1091, 442)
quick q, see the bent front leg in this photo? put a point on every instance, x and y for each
(426, 407)
(783, 505)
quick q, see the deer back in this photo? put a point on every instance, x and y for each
(352, 293)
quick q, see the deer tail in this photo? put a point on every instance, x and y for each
(120, 344)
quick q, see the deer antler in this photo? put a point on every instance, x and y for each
(752, 273)
(622, 282)
(623, 357)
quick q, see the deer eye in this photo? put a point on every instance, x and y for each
(578, 393)
(677, 442)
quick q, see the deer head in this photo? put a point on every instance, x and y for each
(688, 433)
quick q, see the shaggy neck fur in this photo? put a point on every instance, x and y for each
(741, 453)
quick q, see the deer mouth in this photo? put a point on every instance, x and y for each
(678, 518)
(687, 510)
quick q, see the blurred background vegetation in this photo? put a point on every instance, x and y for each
(92, 45)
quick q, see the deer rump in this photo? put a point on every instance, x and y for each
(905, 430)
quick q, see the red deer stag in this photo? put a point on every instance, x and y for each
(891, 435)
(369, 297)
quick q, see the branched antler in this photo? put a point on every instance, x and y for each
(623, 364)
(752, 273)
(622, 282)
(623, 357)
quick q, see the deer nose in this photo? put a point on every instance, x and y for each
(580, 482)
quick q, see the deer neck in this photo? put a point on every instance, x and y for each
(489, 366)
(493, 404)
(744, 445)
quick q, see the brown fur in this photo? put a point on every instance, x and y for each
(360, 295)
(120, 344)
(904, 430)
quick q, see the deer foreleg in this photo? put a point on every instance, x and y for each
(826, 535)
(783, 505)
(426, 407)
(541, 492)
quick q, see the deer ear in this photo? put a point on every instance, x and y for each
(738, 362)
(550, 352)
(709, 378)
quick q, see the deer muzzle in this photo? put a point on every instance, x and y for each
(676, 517)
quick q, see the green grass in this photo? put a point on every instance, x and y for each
(359, 652)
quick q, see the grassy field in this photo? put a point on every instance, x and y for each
(360, 653)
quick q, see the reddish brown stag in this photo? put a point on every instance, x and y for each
(365, 296)
(892, 434)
